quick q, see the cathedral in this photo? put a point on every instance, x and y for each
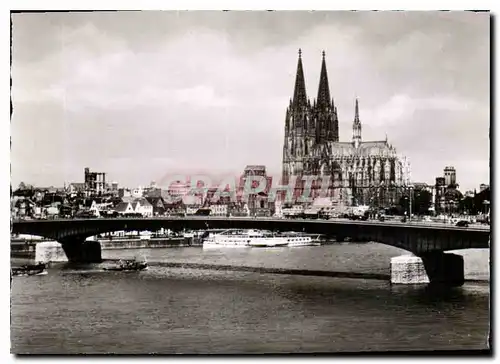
(360, 172)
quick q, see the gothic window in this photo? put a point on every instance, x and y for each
(393, 171)
(382, 170)
(325, 169)
(337, 176)
(336, 171)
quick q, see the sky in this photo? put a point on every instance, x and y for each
(144, 95)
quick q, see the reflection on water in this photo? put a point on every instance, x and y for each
(175, 310)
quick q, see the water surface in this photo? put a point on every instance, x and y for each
(176, 310)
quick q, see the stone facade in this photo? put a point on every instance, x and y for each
(360, 172)
(258, 204)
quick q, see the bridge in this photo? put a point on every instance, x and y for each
(426, 241)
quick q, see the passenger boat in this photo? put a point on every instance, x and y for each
(234, 238)
(129, 265)
(38, 269)
(294, 239)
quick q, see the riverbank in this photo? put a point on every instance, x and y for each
(152, 243)
(26, 249)
(301, 272)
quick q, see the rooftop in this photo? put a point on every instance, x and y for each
(255, 168)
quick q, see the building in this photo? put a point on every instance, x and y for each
(124, 192)
(138, 206)
(154, 192)
(258, 204)
(439, 196)
(137, 192)
(194, 195)
(216, 197)
(92, 207)
(175, 208)
(450, 176)
(278, 209)
(23, 207)
(446, 194)
(219, 210)
(194, 201)
(75, 188)
(142, 206)
(176, 192)
(95, 183)
(124, 208)
(361, 172)
(113, 189)
(158, 205)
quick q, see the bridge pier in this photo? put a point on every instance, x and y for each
(49, 252)
(434, 268)
(79, 250)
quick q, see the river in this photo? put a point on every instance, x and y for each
(196, 311)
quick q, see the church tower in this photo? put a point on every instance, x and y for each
(325, 112)
(356, 127)
(299, 123)
(311, 147)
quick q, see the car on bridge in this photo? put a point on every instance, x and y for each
(110, 213)
(85, 215)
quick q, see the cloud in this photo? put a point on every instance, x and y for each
(210, 89)
(106, 74)
(400, 109)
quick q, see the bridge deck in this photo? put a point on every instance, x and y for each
(415, 224)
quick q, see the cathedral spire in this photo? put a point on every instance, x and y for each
(356, 126)
(324, 89)
(356, 113)
(299, 94)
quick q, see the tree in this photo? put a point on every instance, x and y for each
(452, 198)
(404, 205)
(422, 201)
(467, 205)
(479, 199)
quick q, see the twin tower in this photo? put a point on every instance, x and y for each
(314, 123)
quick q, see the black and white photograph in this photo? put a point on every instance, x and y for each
(250, 182)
